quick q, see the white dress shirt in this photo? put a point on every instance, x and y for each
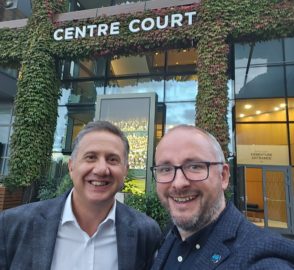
(75, 250)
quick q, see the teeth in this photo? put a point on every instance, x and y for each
(98, 183)
(183, 199)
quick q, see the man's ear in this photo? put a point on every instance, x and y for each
(225, 176)
(69, 165)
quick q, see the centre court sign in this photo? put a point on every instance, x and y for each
(134, 26)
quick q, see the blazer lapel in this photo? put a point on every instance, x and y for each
(163, 252)
(215, 250)
(126, 236)
(45, 232)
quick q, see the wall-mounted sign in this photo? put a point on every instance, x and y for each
(135, 26)
(263, 154)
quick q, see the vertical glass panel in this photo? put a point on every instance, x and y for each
(179, 113)
(5, 113)
(289, 52)
(276, 199)
(254, 196)
(291, 130)
(83, 92)
(77, 118)
(181, 88)
(231, 144)
(61, 128)
(291, 108)
(149, 63)
(259, 82)
(261, 110)
(140, 85)
(182, 61)
(4, 135)
(242, 55)
(290, 80)
(261, 53)
(265, 144)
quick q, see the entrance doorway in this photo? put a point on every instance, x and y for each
(265, 196)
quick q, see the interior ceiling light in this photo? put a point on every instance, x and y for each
(276, 108)
(282, 105)
(247, 106)
(258, 112)
(242, 115)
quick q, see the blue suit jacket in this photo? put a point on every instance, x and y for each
(28, 235)
(237, 244)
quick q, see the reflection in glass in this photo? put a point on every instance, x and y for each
(82, 92)
(181, 88)
(15, 10)
(259, 82)
(262, 53)
(179, 113)
(87, 68)
(182, 61)
(150, 63)
(140, 85)
(60, 131)
(261, 110)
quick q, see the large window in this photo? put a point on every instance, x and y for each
(264, 106)
(170, 74)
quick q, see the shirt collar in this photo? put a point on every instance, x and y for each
(68, 215)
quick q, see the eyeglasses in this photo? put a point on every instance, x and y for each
(193, 171)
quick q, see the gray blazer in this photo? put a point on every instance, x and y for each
(28, 234)
(237, 244)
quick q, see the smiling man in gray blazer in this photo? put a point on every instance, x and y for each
(85, 228)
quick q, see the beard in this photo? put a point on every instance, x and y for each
(207, 214)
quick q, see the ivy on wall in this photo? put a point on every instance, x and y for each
(219, 24)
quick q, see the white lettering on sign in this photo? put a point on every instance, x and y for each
(135, 26)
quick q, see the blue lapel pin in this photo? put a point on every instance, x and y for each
(215, 258)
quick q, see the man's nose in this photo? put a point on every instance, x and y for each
(180, 179)
(101, 167)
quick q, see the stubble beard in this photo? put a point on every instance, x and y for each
(206, 215)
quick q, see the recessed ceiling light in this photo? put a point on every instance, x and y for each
(247, 106)
(241, 115)
(282, 105)
(258, 112)
(276, 108)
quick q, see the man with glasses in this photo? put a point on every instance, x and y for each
(191, 176)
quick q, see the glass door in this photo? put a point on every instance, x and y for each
(277, 198)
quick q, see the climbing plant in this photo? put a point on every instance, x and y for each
(33, 49)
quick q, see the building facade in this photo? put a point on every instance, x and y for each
(148, 66)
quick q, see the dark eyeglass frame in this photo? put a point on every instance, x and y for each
(207, 163)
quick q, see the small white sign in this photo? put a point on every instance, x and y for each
(263, 154)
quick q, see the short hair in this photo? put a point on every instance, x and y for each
(213, 140)
(100, 126)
